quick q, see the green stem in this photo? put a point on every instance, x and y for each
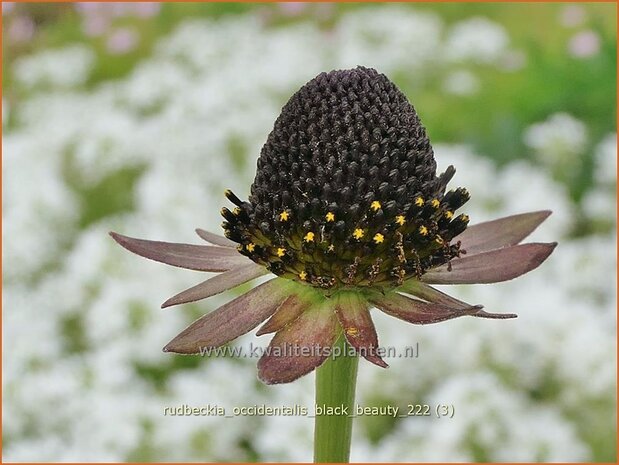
(335, 389)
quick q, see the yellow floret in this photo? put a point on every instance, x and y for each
(309, 237)
(352, 331)
(330, 217)
(376, 205)
(400, 220)
(283, 216)
(358, 233)
(281, 252)
(379, 238)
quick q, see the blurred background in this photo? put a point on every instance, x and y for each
(136, 117)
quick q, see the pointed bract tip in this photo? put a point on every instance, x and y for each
(543, 214)
(121, 239)
(173, 347)
(551, 246)
(376, 360)
(495, 316)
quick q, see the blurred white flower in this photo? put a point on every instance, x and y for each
(21, 28)
(292, 8)
(476, 39)
(297, 447)
(461, 82)
(572, 15)
(388, 38)
(606, 160)
(541, 192)
(559, 141)
(122, 40)
(584, 44)
(118, 9)
(39, 210)
(146, 9)
(481, 177)
(601, 204)
(95, 25)
(65, 67)
(491, 422)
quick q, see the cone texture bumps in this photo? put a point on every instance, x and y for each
(346, 191)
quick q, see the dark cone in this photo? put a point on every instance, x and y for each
(346, 191)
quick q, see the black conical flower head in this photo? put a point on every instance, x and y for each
(346, 191)
(348, 211)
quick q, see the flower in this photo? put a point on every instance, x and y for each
(585, 44)
(123, 40)
(347, 211)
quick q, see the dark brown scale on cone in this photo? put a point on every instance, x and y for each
(346, 191)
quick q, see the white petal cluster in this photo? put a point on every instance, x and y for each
(59, 68)
(461, 82)
(388, 37)
(559, 141)
(600, 203)
(606, 160)
(150, 154)
(476, 40)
